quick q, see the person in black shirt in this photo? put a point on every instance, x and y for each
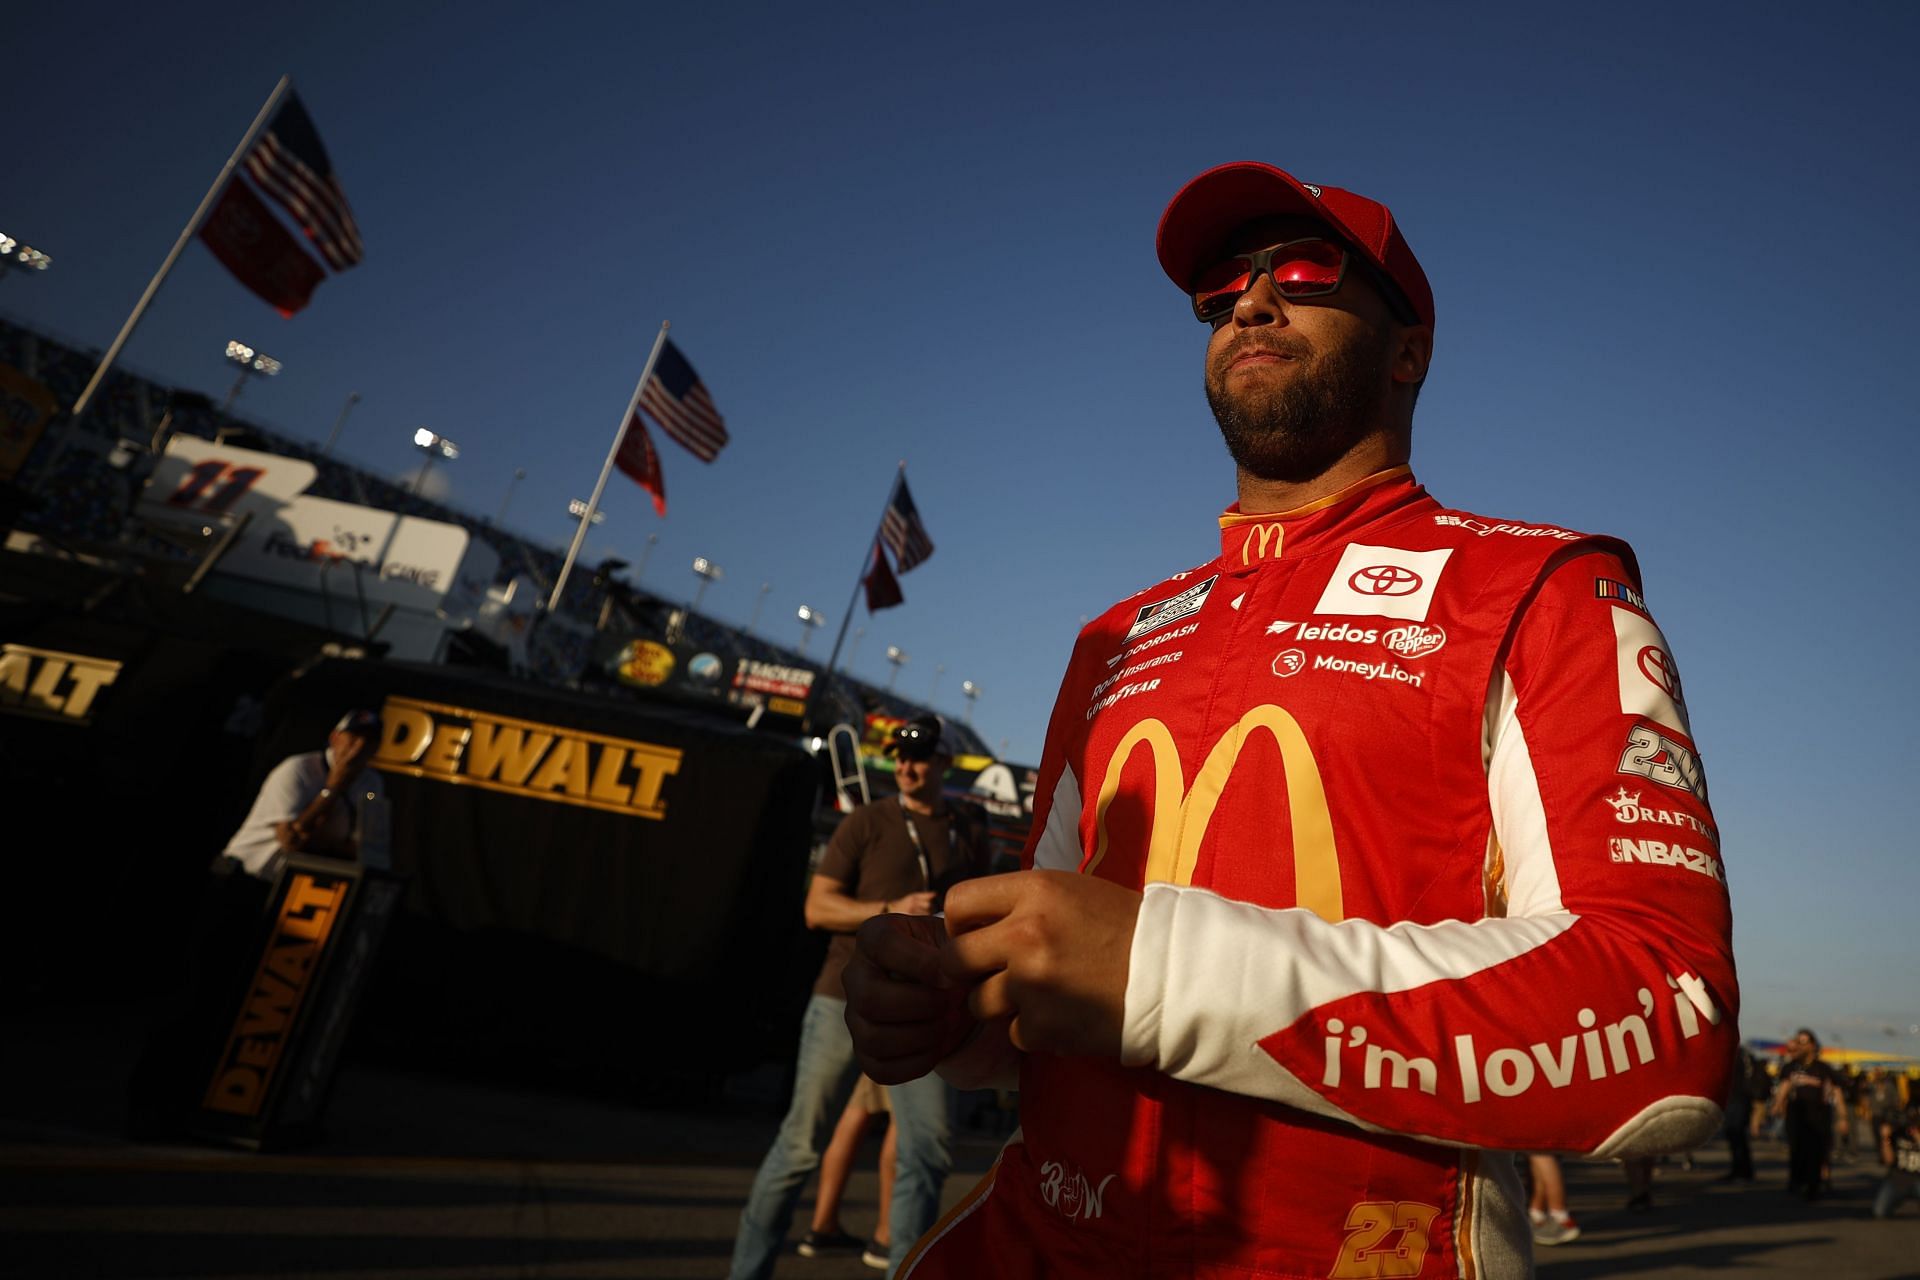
(1900, 1148)
(1805, 1098)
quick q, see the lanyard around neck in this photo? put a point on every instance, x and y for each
(919, 849)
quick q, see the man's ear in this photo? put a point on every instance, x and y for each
(1413, 354)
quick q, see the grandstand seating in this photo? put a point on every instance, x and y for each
(87, 498)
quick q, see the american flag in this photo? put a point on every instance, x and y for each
(638, 459)
(883, 589)
(291, 165)
(675, 398)
(902, 531)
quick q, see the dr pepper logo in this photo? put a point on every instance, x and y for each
(1415, 640)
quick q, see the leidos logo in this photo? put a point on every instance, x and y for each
(546, 762)
(1181, 813)
(1411, 641)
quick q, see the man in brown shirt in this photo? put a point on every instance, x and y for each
(898, 854)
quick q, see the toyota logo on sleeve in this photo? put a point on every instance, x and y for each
(1385, 580)
(1657, 666)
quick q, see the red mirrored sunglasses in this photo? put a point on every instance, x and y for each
(1309, 268)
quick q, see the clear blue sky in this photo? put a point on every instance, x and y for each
(1673, 248)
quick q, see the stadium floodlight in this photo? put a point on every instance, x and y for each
(253, 363)
(759, 603)
(898, 657)
(578, 509)
(972, 691)
(709, 573)
(436, 447)
(810, 621)
(25, 256)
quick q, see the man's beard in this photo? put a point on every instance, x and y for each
(1298, 430)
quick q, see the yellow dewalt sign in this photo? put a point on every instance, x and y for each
(307, 917)
(51, 685)
(522, 757)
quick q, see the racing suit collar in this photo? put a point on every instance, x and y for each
(1246, 541)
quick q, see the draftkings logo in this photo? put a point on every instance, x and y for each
(543, 761)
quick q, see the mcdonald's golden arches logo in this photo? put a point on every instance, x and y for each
(1181, 813)
(1263, 541)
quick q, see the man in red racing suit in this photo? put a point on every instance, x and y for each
(1376, 842)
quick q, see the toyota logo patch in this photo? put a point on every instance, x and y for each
(1385, 580)
(1657, 666)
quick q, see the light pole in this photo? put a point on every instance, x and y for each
(898, 657)
(810, 621)
(25, 256)
(603, 580)
(251, 362)
(519, 474)
(709, 573)
(642, 566)
(854, 647)
(758, 604)
(436, 447)
(939, 669)
(972, 691)
(353, 398)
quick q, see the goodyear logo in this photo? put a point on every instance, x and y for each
(308, 914)
(49, 685)
(523, 757)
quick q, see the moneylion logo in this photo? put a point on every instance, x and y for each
(1181, 813)
(541, 761)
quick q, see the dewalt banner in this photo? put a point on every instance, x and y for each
(574, 858)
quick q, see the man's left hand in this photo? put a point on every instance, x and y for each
(1050, 949)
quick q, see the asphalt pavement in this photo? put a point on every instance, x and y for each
(422, 1175)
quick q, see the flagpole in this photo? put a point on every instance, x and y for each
(606, 468)
(866, 567)
(180, 245)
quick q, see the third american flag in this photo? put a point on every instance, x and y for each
(675, 398)
(902, 531)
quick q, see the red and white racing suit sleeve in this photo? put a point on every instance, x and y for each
(1596, 1015)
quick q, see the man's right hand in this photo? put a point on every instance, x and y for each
(904, 1013)
(916, 904)
(350, 752)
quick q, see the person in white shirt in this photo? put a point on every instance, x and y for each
(312, 802)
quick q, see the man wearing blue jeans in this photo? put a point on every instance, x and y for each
(900, 855)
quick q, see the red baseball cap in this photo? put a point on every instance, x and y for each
(1209, 208)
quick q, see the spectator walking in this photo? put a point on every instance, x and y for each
(1900, 1149)
(1547, 1211)
(893, 856)
(1804, 1100)
(1739, 1106)
(827, 1235)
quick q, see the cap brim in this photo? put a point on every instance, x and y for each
(1207, 210)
